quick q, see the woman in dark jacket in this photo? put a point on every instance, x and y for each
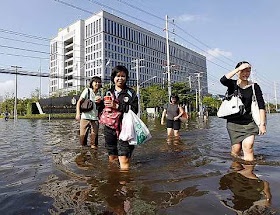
(242, 129)
(123, 99)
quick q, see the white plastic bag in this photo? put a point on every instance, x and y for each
(127, 132)
(142, 133)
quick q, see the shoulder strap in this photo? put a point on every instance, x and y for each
(236, 91)
(88, 95)
(254, 93)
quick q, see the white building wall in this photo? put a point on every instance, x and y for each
(68, 66)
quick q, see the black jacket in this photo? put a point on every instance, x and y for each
(126, 98)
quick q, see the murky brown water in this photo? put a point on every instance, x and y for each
(45, 171)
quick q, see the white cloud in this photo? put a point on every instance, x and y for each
(217, 53)
(7, 87)
(188, 18)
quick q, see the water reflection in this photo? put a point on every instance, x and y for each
(113, 191)
(250, 194)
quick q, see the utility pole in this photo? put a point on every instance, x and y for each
(40, 91)
(199, 93)
(167, 56)
(137, 67)
(275, 96)
(15, 105)
(190, 83)
(196, 104)
(268, 105)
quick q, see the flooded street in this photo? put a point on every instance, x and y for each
(44, 170)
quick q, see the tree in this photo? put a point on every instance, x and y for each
(185, 94)
(35, 95)
(153, 96)
(212, 103)
(8, 103)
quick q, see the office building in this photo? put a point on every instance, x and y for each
(94, 46)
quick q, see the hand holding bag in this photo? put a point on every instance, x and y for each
(255, 108)
(141, 132)
(127, 132)
(184, 117)
(231, 106)
(87, 104)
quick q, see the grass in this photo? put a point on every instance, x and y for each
(46, 116)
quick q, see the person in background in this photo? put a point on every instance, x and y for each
(172, 111)
(89, 120)
(123, 99)
(6, 114)
(242, 129)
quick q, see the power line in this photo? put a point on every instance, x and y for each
(30, 37)
(22, 49)
(24, 35)
(110, 8)
(37, 74)
(205, 53)
(36, 51)
(23, 41)
(27, 56)
(201, 42)
(126, 14)
(137, 8)
(95, 2)
(144, 11)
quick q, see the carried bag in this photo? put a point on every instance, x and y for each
(110, 117)
(141, 132)
(232, 106)
(127, 132)
(184, 117)
(255, 108)
(87, 104)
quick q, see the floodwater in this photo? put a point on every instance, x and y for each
(45, 171)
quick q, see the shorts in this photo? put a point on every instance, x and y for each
(114, 146)
(176, 125)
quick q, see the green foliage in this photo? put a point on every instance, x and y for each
(209, 101)
(35, 95)
(8, 103)
(183, 91)
(46, 116)
(212, 104)
(72, 93)
(153, 96)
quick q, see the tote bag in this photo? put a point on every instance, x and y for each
(231, 106)
(87, 104)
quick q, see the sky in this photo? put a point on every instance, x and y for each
(226, 32)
